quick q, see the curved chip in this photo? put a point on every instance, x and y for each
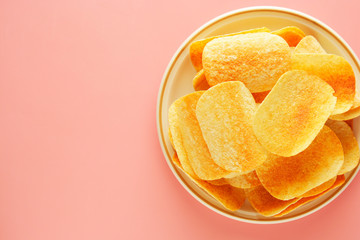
(247, 180)
(319, 189)
(333, 69)
(338, 182)
(256, 59)
(353, 112)
(349, 143)
(293, 113)
(188, 140)
(199, 81)
(230, 197)
(264, 203)
(291, 34)
(197, 47)
(289, 177)
(309, 44)
(225, 114)
(218, 182)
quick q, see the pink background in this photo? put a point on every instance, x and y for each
(79, 152)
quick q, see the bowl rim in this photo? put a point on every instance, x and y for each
(161, 94)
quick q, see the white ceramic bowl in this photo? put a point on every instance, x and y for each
(177, 81)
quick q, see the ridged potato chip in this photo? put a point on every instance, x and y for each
(256, 59)
(264, 203)
(309, 44)
(333, 69)
(293, 113)
(291, 34)
(338, 182)
(197, 47)
(289, 177)
(188, 139)
(230, 197)
(349, 143)
(199, 81)
(247, 180)
(225, 114)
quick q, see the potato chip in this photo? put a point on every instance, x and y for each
(183, 123)
(353, 112)
(199, 81)
(197, 47)
(260, 96)
(256, 59)
(293, 113)
(319, 189)
(291, 34)
(309, 44)
(218, 182)
(349, 143)
(247, 180)
(339, 181)
(225, 114)
(264, 203)
(230, 197)
(333, 69)
(289, 177)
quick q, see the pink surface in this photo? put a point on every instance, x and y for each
(79, 152)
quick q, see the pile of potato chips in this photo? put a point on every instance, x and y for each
(267, 120)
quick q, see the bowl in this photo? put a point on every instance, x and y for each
(177, 81)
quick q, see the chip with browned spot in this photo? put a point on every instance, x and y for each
(293, 113)
(256, 59)
(333, 69)
(290, 177)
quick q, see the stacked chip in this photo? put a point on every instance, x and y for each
(266, 122)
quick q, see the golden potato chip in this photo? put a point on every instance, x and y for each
(199, 81)
(197, 47)
(309, 44)
(230, 197)
(256, 59)
(225, 114)
(291, 34)
(218, 182)
(260, 96)
(339, 181)
(247, 180)
(289, 177)
(349, 143)
(293, 113)
(319, 189)
(333, 69)
(264, 203)
(353, 112)
(188, 139)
